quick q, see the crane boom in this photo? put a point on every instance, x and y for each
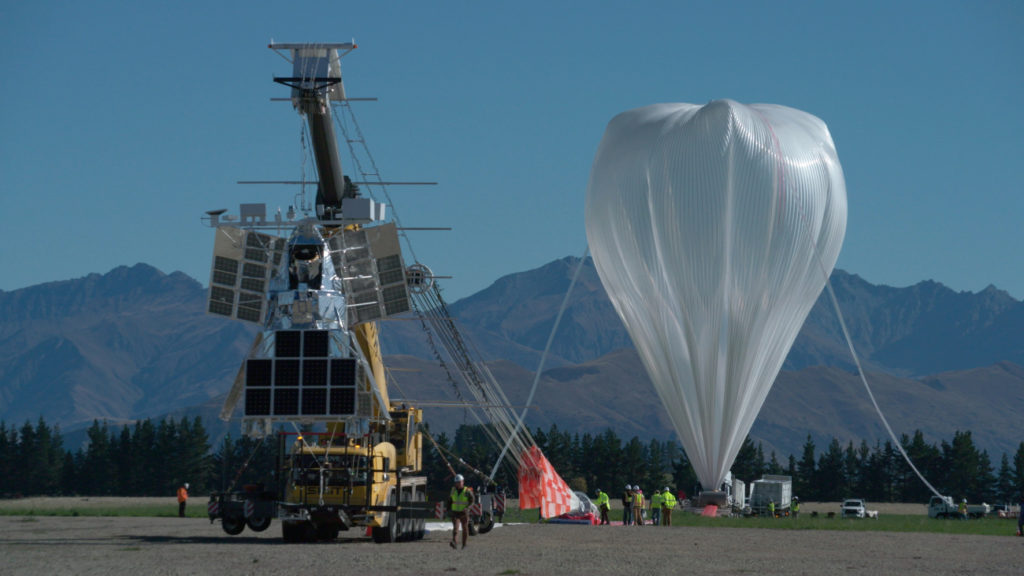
(315, 82)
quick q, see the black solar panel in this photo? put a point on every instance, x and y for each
(258, 372)
(314, 372)
(314, 343)
(343, 401)
(257, 402)
(286, 373)
(314, 401)
(287, 343)
(343, 372)
(286, 402)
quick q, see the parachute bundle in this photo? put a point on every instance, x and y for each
(541, 487)
(714, 229)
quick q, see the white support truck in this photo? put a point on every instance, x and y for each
(770, 488)
(945, 507)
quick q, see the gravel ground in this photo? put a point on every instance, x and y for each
(104, 545)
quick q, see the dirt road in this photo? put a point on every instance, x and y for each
(103, 545)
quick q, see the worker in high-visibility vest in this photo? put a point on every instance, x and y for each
(603, 505)
(459, 501)
(182, 499)
(668, 502)
(771, 508)
(627, 506)
(656, 507)
(638, 505)
(796, 507)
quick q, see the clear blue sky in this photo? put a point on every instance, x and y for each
(122, 122)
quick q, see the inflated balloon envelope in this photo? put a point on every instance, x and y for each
(713, 229)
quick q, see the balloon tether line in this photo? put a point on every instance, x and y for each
(853, 351)
(863, 378)
(543, 357)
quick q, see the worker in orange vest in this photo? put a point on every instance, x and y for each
(182, 499)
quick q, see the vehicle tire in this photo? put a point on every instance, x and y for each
(258, 523)
(420, 529)
(486, 523)
(232, 525)
(386, 534)
(390, 532)
(405, 520)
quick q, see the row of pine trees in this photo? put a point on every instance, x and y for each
(153, 458)
(876, 473)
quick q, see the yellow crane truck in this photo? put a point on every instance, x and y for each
(332, 481)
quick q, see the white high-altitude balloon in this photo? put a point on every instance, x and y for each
(713, 229)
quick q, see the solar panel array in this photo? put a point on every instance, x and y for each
(243, 263)
(301, 380)
(370, 261)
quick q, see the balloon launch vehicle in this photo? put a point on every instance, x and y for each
(316, 282)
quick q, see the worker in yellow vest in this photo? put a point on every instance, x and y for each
(638, 505)
(668, 502)
(459, 501)
(656, 507)
(603, 505)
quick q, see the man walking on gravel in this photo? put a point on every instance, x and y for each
(182, 499)
(459, 501)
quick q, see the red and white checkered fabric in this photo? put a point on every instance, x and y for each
(541, 487)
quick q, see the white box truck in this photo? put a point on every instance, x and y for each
(769, 489)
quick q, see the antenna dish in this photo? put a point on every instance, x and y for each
(213, 217)
(419, 278)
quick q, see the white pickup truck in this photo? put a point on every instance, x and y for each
(945, 507)
(855, 508)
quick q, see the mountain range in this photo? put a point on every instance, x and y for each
(135, 343)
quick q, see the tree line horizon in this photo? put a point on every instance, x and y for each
(150, 458)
